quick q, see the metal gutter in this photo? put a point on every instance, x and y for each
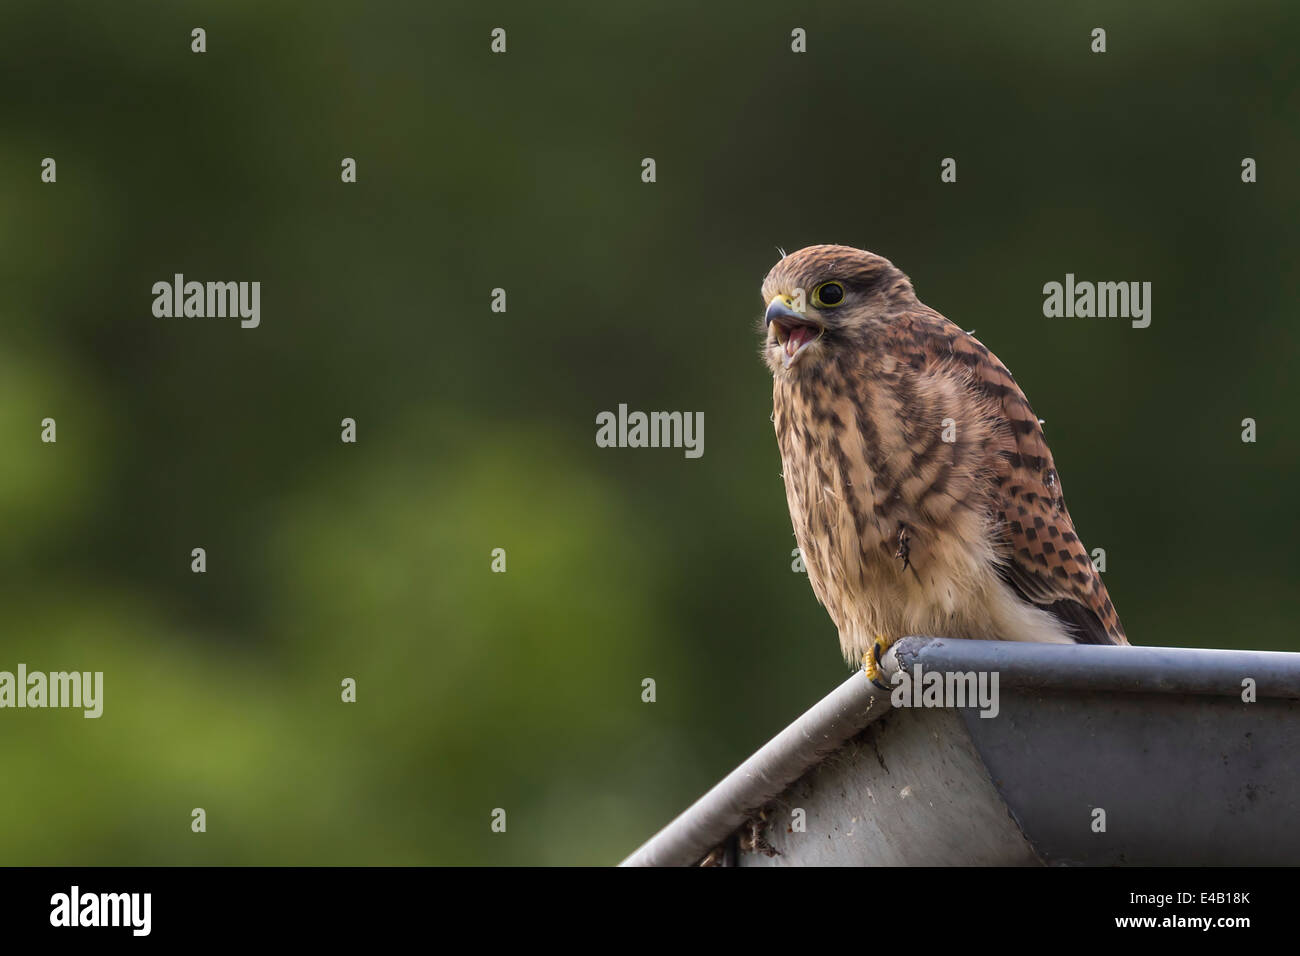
(1159, 740)
(1165, 670)
(710, 820)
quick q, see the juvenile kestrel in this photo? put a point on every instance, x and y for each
(922, 492)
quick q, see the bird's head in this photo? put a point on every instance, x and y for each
(823, 300)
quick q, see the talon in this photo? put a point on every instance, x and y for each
(904, 547)
(871, 660)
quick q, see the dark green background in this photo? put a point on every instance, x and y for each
(522, 690)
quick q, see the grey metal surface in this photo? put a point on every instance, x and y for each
(716, 815)
(1139, 756)
(1169, 670)
(1157, 738)
(909, 790)
(1181, 780)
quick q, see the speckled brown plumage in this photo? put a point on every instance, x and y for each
(922, 492)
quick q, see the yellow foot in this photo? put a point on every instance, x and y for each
(871, 660)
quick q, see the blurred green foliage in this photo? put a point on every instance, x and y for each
(476, 430)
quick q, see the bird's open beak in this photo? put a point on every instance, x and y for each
(792, 331)
(780, 308)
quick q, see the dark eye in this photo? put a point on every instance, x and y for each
(828, 294)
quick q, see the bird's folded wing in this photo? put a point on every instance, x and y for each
(1043, 560)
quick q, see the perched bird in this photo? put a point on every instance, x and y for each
(923, 494)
